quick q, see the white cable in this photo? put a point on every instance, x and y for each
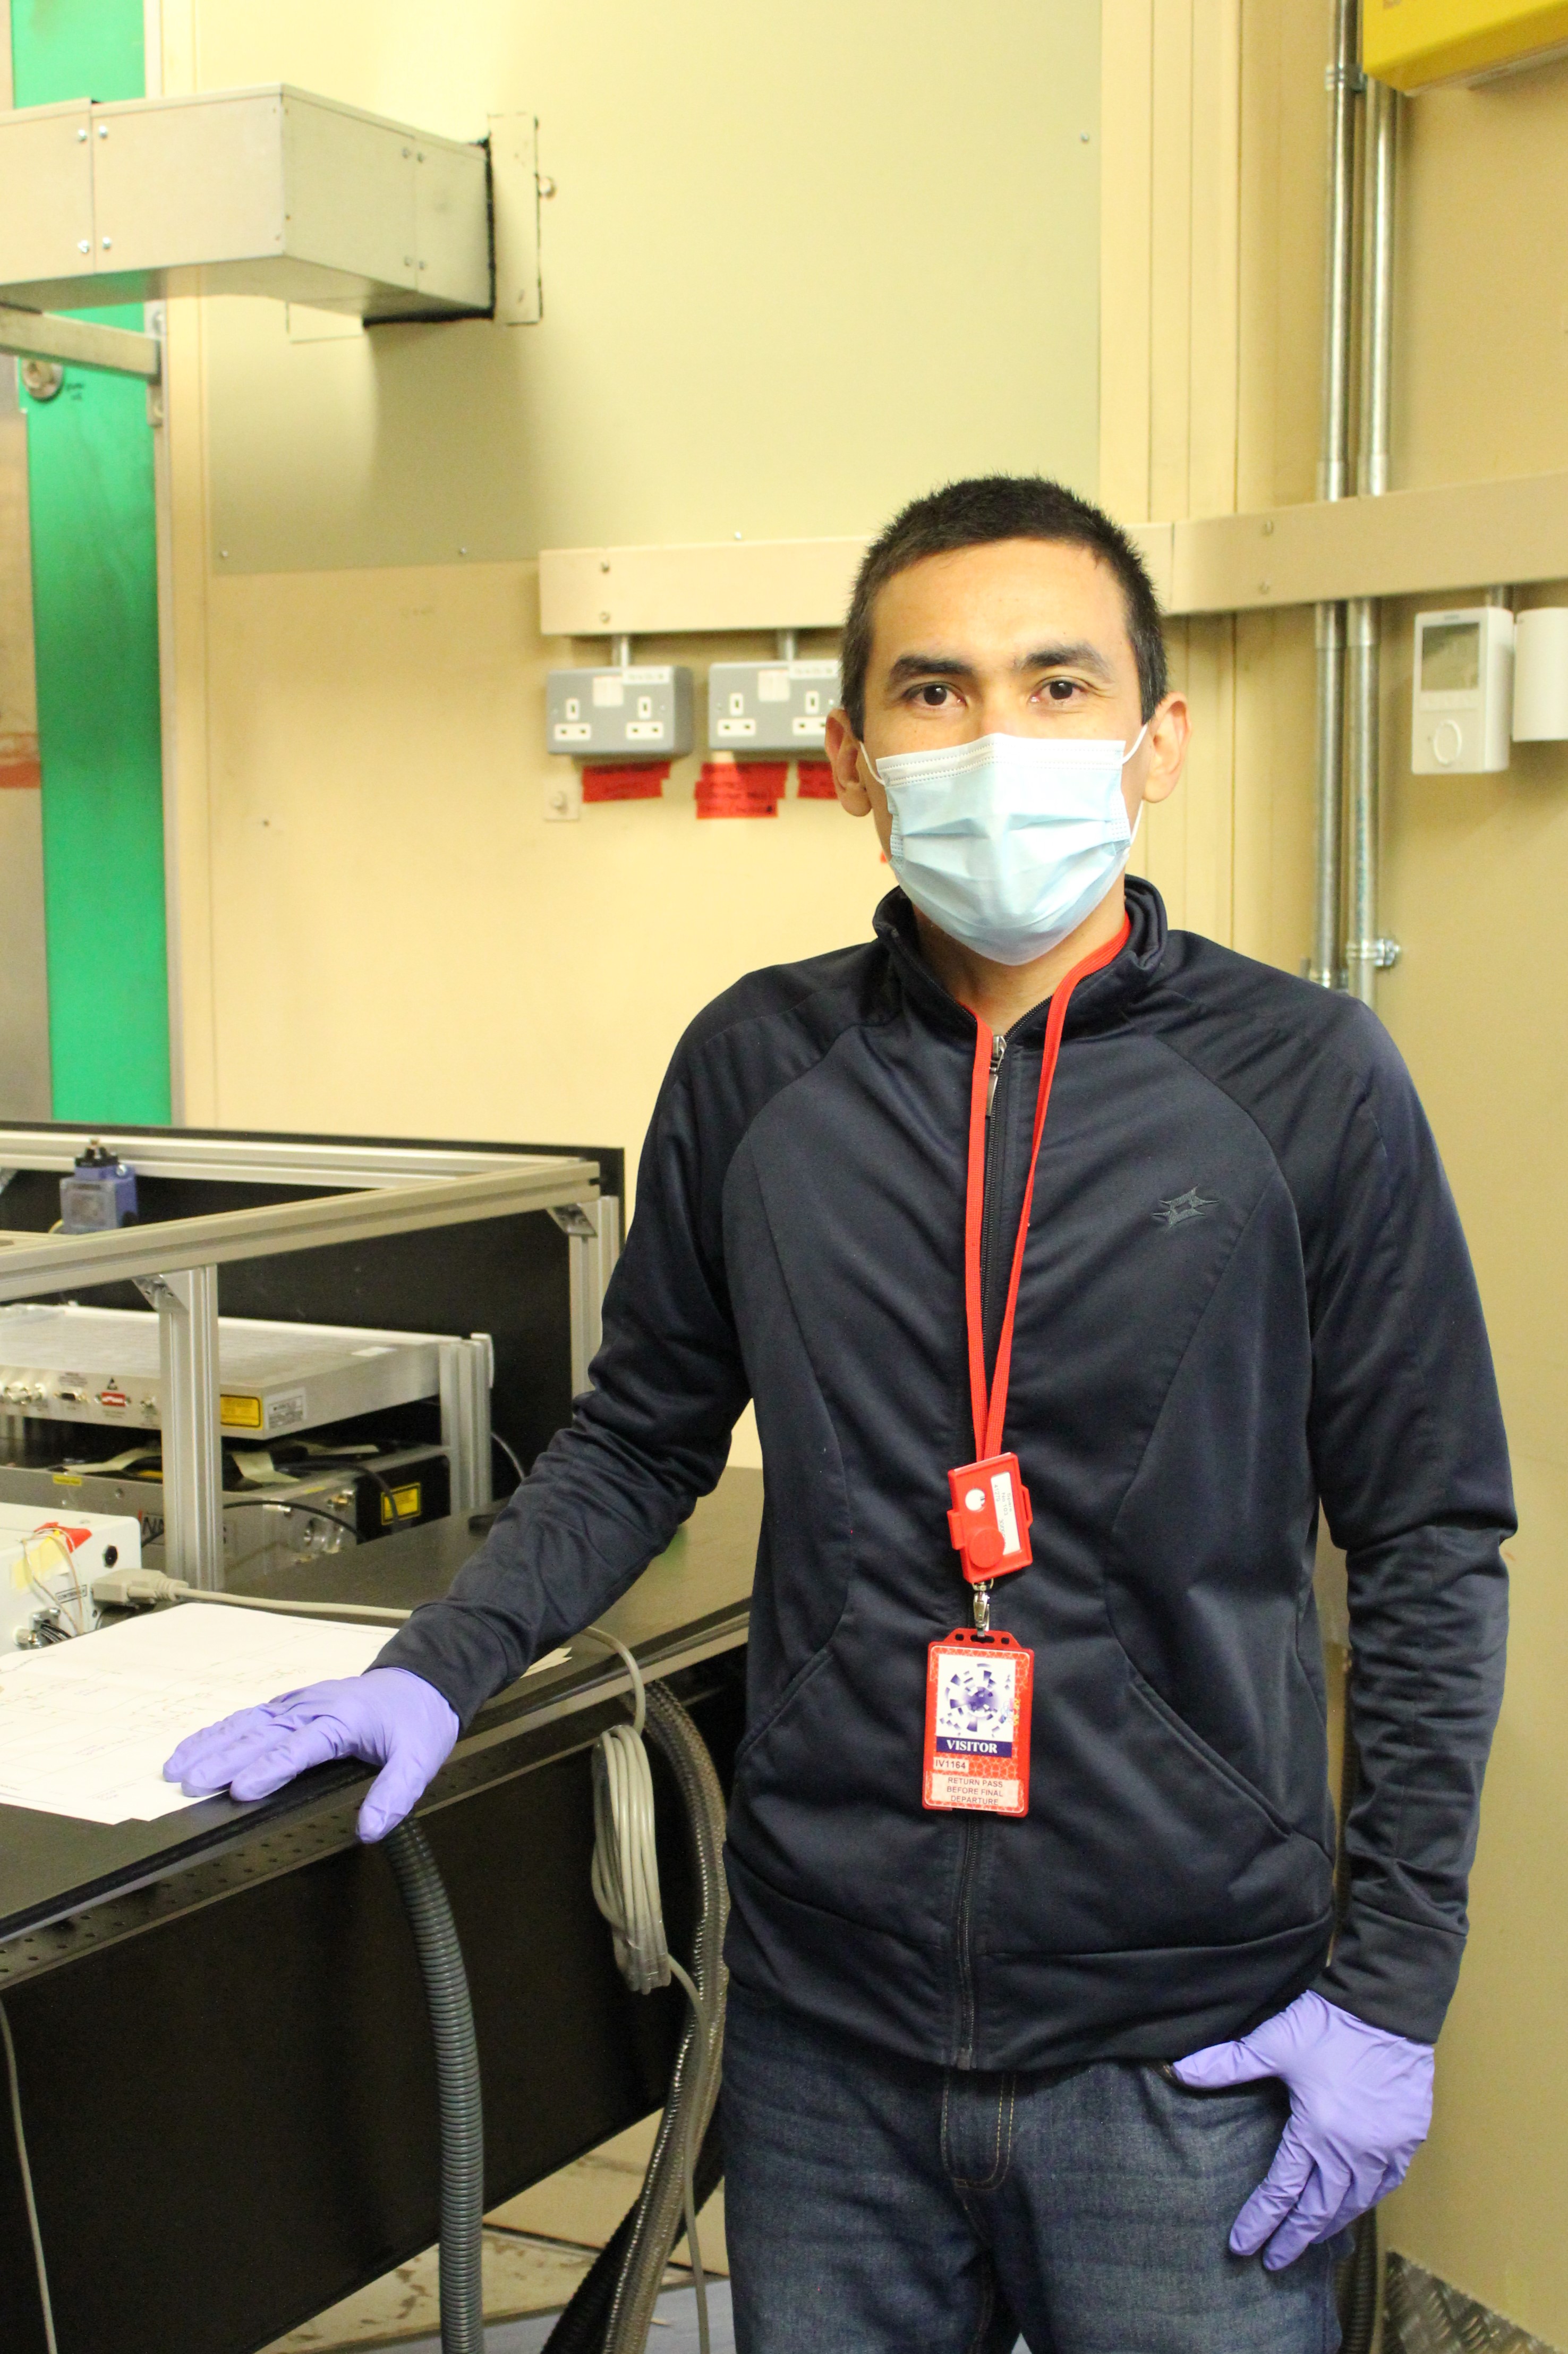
(625, 1880)
(40, 2266)
(138, 1589)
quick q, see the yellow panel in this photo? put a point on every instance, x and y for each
(240, 1413)
(1414, 43)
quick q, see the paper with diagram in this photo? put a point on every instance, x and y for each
(85, 1726)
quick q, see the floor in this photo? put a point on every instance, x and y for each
(537, 2249)
(675, 2321)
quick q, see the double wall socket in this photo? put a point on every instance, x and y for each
(640, 712)
(771, 707)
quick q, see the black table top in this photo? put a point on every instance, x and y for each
(53, 1865)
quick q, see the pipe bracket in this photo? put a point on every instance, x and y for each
(1381, 955)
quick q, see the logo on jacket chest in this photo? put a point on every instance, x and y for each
(1183, 1208)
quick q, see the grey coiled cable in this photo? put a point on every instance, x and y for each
(457, 2080)
(667, 2191)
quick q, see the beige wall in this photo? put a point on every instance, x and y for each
(1213, 123)
(801, 259)
(803, 262)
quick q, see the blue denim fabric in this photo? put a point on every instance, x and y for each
(876, 2205)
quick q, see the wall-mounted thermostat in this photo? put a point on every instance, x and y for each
(1463, 692)
(775, 707)
(640, 712)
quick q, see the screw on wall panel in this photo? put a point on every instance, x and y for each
(604, 616)
(81, 135)
(1268, 531)
(84, 245)
(545, 185)
(604, 564)
(43, 379)
(103, 130)
(1264, 586)
(107, 243)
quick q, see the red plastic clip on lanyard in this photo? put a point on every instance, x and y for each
(991, 1511)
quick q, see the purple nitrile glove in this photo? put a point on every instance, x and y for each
(386, 1716)
(1361, 2102)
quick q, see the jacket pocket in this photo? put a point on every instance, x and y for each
(791, 1691)
(1160, 1708)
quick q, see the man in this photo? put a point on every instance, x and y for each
(1069, 1262)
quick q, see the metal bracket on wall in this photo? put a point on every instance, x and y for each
(79, 343)
(1381, 955)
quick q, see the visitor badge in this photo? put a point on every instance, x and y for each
(978, 1693)
(989, 1519)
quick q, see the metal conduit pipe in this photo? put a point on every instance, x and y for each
(1343, 80)
(1366, 953)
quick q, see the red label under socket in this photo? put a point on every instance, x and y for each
(740, 789)
(643, 782)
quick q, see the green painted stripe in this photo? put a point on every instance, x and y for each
(95, 622)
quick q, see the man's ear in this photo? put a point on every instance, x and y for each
(1169, 731)
(842, 747)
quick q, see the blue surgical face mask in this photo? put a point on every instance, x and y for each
(1008, 843)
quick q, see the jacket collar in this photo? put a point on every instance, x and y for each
(1105, 998)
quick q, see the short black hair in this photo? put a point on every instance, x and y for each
(1002, 506)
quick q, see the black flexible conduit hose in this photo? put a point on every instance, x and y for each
(617, 2294)
(1358, 2282)
(583, 2323)
(457, 2079)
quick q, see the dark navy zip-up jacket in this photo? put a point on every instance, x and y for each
(1245, 1290)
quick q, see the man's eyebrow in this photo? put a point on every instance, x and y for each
(1079, 656)
(1082, 656)
(931, 667)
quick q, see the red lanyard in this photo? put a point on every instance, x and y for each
(990, 1411)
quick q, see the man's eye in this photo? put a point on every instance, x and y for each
(933, 694)
(1061, 690)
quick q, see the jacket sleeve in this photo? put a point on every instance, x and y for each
(1412, 1464)
(645, 1442)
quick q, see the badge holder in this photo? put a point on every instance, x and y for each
(978, 1692)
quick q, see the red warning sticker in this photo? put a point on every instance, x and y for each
(741, 788)
(814, 781)
(640, 781)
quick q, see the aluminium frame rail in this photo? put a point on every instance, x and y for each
(397, 1190)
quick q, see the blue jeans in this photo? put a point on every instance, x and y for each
(876, 2205)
